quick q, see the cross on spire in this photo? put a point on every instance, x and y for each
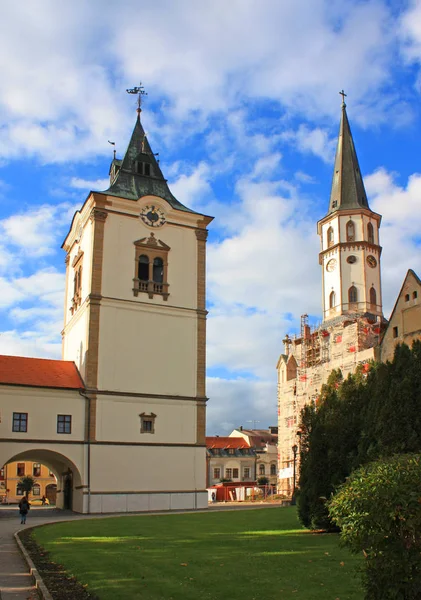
(342, 93)
(139, 90)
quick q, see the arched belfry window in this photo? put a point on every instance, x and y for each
(370, 233)
(330, 237)
(350, 231)
(143, 270)
(158, 270)
(332, 299)
(373, 297)
(151, 274)
(352, 295)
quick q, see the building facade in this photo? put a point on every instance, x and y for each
(230, 459)
(11, 491)
(265, 444)
(135, 331)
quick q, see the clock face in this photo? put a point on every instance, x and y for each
(331, 265)
(371, 261)
(152, 216)
(351, 259)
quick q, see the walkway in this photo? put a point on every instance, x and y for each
(15, 581)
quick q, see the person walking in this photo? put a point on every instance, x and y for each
(24, 507)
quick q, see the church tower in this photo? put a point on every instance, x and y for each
(349, 234)
(348, 337)
(135, 325)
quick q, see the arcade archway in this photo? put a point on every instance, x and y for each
(69, 489)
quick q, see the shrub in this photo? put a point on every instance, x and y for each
(26, 483)
(379, 512)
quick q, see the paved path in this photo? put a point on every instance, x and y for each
(15, 581)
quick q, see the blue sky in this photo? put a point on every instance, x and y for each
(243, 108)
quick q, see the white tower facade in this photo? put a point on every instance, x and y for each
(349, 234)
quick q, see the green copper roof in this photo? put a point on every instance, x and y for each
(139, 173)
(347, 186)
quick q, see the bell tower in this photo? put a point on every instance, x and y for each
(349, 234)
(135, 325)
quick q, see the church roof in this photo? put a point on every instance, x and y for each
(130, 183)
(348, 190)
(39, 372)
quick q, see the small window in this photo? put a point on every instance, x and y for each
(273, 469)
(332, 299)
(235, 473)
(334, 204)
(143, 168)
(36, 490)
(20, 470)
(217, 473)
(350, 231)
(370, 233)
(20, 422)
(352, 295)
(407, 296)
(246, 472)
(147, 423)
(228, 473)
(261, 469)
(64, 424)
(415, 295)
(395, 332)
(330, 237)
(143, 270)
(373, 297)
(19, 490)
(36, 470)
(231, 451)
(2, 473)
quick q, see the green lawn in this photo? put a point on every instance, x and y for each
(259, 554)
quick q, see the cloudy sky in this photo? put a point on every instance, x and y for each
(243, 108)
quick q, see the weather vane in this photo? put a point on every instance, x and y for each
(139, 90)
(342, 93)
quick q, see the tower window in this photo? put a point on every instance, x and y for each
(332, 299)
(350, 231)
(330, 237)
(352, 295)
(407, 297)
(415, 295)
(395, 332)
(373, 297)
(158, 270)
(143, 268)
(151, 274)
(370, 233)
(143, 168)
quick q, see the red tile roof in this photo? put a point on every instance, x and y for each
(226, 442)
(39, 372)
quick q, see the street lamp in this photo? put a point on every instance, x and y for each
(294, 451)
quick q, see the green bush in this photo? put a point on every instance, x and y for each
(379, 512)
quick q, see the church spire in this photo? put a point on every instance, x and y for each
(138, 174)
(347, 186)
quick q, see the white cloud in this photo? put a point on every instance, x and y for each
(62, 105)
(235, 402)
(36, 230)
(86, 184)
(312, 141)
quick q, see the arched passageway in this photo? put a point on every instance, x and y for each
(68, 493)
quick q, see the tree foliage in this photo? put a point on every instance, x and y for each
(369, 415)
(26, 483)
(379, 512)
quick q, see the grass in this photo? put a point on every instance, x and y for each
(259, 554)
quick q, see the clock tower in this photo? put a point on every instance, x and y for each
(135, 325)
(349, 234)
